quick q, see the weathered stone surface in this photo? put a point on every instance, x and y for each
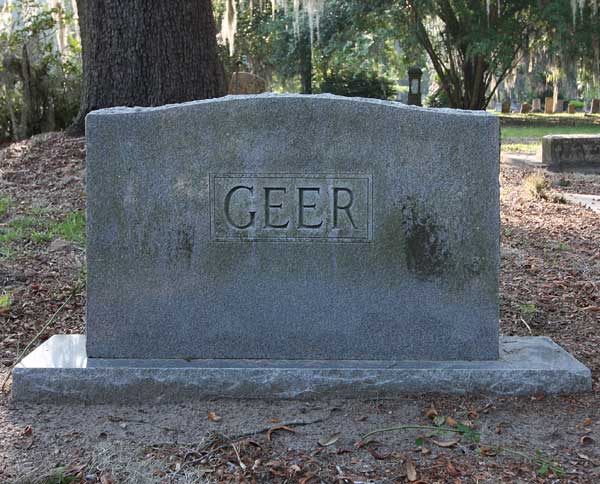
(506, 107)
(595, 108)
(572, 109)
(565, 152)
(525, 108)
(292, 227)
(59, 371)
(536, 106)
(548, 105)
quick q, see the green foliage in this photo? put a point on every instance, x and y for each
(4, 206)
(470, 50)
(354, 50)
(527, 310)
(438, 99)
(5, 301)
(40, 79)
(40, 230)
(577, 104)
(360, 84)
(71, 228)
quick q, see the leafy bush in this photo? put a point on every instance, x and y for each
(577, 104)
(439, 99)
(359, 84)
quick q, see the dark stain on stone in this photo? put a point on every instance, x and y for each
(425, 240)
(185, 243)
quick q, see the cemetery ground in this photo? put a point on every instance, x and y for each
(550, 285)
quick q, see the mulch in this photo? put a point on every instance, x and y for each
(550, 285)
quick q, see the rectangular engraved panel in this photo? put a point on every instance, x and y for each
(278, 207)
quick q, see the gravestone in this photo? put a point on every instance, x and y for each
(246, 83)
(571, 109)
(595, 109)
(292, 246)
(506, 107)
(558, 106)
(525, 108)
(536, 106)
(548, 105)
(575, 152)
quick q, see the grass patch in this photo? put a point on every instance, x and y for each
(71, 228)
(5, 302)
(528, 148)
(540, 131)
(4, 205)
(40, 230)
(536, 187)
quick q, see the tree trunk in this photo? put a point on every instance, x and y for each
(147, 53)
(305, 52)
(596, 59)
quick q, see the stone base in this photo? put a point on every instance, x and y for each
(59, 371)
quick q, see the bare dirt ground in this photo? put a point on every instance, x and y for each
(550, 285)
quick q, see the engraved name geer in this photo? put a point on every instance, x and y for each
(273, 199)
(290, 207)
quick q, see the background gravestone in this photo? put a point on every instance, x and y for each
(246, 83)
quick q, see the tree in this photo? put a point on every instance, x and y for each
(472, 44)
(147, 53)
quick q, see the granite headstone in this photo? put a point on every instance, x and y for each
(292, 227)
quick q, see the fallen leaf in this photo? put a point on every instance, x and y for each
(306, 479)
(451, 421)
(473, 415)
(587, 422)
(294, 468)
(279, 427)
(425, 450)
(594, 309)
(488, 451)
(451, 469)
(411, 472)
(445, 443)
(586, 440)
(359, 444)
(274, 420)
(28, 431)
(344, 450)
(213, 417)
(431, 413)
(106, 478)
(329, 439)
(379, 452)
